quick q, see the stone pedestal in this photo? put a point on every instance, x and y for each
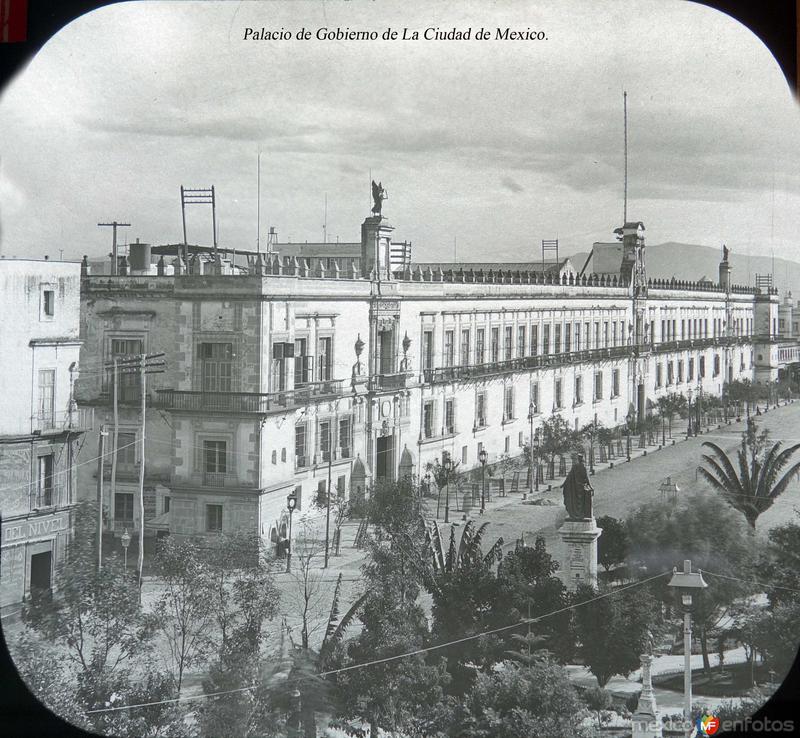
(376, 248)
(646, 722)
(580, 564)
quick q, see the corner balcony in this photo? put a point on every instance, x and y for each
(244, 403)
(77, 420)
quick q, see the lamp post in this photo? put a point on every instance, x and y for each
(531, 415)
(537, 442)
(698, 406)
(687, 582)
(291, 504)
(482, 459)
(629, 422)
(689, 427)
(448, 467)
(126, 541)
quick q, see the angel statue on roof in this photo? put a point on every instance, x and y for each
(378, 196)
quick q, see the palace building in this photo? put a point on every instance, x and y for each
(301, 373)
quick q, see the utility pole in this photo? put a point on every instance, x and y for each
(144, 364)
(115, 437)
(101, 450)
(114, 261)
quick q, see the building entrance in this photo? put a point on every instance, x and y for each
(41, 566)
(384, 464)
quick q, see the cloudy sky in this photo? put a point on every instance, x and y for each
(493, 145)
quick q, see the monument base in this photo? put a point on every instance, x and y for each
(646, 722)
(580, 565)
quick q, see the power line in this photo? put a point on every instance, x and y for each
(750, 581)
(375, 662)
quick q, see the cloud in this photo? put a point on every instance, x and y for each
(511, 184)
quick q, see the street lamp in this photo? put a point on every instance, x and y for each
(531, 415)
(482, 458)
(687, 582)
(629, 422)
(291, 504)
(126, 541)
(698, 405)
(448, 467)
(537, 442)
(689, 427)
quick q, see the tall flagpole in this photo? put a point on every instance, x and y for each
(625, 187)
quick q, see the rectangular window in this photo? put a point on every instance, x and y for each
(577, 336)
(557, 339)
(341, 481)
(558, 397)
(507, 344)
(302, 363)
(449, 417)
(215, 457)
(605, 334)
(690, 373)
(597, 334)
(520, 440)
(615, 382)
(427, 350)
(670, 373)
(216, 360)
(683, 328)
(345, 437)
(495, 344)
(129, 382)
(427, 419)
(480, 346)
(614, 333)
(663, 330)
(213, 518)
(298, 493)
(449, 348)
(166, 504)
(49, 303)
(123, 508)
(578, 390)
(521, 341)
(534, 340)
(622, 332)
(126, 450)
(587, 335)
(680, 371)
(47, 397)
(508, 403)
(324, 439)
(465, 353)
(44, 481)
(463, 454)
(279, 370)
(716, 365)
(546, 339)
(702, 369)
(508, 444)
(324, 359)
(480, 410)
(567, 337)
(659, 375)
(300, 446)
(535, 396)
(598, 386)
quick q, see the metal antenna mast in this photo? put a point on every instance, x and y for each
(198, 196)
(114, 260)
(625, 129)
(258, 207)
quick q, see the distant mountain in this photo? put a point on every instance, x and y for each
(692, 261)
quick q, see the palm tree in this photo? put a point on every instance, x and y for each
(755, 486)
(459, 555)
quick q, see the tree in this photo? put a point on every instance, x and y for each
(186, 611)
(96, 615)
(612, 546)
(741, 391)
(536, 701)
(598, 700)
(671, 405)
(612, 630)
(558, 439)
(527, 588)
(756, 485)
(662, 536)
(591, 432)
(464, 588)
(781, 564)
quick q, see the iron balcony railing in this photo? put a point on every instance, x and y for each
(248, 402)
(541, 361)
(390, 381)
(77, 420)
